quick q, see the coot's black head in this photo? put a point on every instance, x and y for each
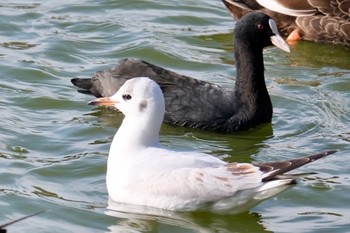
(259, 30)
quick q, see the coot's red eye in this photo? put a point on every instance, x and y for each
(260, 26)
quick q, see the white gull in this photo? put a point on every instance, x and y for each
(141, 171)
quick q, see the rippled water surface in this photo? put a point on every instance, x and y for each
(54, 147)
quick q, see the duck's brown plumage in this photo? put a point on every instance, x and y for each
(315, 20)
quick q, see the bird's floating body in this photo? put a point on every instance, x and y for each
(194, 103)
(142, 172)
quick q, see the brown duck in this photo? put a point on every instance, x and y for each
(312, 20)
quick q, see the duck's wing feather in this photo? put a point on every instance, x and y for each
(325, 28)
(315, 20)
(239, 8)
(334, 8)
(292, 8)
(318, 20)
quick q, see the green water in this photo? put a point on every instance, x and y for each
(54, 147)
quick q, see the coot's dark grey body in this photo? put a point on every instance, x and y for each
(194, 103)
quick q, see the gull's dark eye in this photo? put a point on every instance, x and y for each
(260, 26)
(126, 97)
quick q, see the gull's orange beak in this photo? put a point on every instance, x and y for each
(104, 101)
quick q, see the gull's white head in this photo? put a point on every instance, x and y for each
(136, 98)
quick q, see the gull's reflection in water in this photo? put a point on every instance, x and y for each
(132, 218)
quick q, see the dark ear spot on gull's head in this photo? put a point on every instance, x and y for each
(143, 105)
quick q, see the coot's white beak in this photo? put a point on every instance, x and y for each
(277, 39)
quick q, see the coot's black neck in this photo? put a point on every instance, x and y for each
(254, 103)
(250, 78)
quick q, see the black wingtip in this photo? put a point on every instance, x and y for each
(331, 152)
(321, 155)
(274, 169)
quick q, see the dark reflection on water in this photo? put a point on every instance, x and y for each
(320, 55)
